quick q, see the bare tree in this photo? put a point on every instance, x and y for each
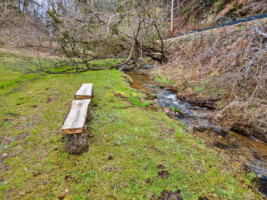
(91, 31)
(172, 17)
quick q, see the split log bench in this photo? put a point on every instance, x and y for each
(74, 126)
(85, 91)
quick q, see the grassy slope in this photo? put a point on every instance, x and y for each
(136, 136)
(9, 79)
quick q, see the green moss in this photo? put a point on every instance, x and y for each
(163, 81)
(124, 127)
(52, 15)
(219, 5)
(234, 8)
(137, 102)
(204, 82)
(186, 10)
(199, 89)
(250, 177)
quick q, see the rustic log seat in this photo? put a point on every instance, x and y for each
(74, 128)
(85, 91)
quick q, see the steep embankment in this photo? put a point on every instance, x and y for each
(225, 69)
(199, 14)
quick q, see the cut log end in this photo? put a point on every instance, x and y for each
(77, 143)
(82, 97)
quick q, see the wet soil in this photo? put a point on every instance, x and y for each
(164, 174)
(168, 195)
(236, 149)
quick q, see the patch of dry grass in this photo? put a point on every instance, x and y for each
(229, 64)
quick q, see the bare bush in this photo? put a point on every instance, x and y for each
(90, 30)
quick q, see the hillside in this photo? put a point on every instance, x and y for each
(198, 14)
(223, 69)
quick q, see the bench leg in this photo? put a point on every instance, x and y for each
(77, 143)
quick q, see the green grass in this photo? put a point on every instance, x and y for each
(199, 89)
(219, 5)
(10, 79)
(163, 81)
(124, 126)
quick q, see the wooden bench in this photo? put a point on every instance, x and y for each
(74, 126)
(85, 91)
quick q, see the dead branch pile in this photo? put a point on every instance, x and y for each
(82, 31)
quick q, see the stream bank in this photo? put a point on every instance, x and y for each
(237, 150)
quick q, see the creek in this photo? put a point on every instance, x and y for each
(237, 150)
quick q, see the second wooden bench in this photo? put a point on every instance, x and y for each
(85, 91)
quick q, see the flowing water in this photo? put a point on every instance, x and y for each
(237, 150)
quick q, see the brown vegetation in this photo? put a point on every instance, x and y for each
(22, 31)
(228, 68)
(193, 15)
(82, 31)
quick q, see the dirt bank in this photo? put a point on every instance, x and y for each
(224, 69)
(193, 15)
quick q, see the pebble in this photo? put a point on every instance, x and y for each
(4, 155)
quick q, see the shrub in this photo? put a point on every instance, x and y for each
(219, 5)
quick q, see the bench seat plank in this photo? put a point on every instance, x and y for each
(85, 91)
(76, 118)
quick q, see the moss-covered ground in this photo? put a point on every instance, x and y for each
(131, 141)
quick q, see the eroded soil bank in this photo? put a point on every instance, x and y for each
(224, 69)
(237, 150)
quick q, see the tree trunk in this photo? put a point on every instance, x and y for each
(172, 17)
